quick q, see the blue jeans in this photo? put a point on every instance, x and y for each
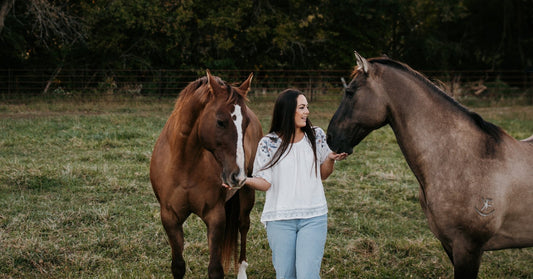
(297, 246)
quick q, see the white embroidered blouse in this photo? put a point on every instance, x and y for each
(296, 190)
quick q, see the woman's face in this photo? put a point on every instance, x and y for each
(302, 111)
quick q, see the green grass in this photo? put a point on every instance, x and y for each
(76, 201)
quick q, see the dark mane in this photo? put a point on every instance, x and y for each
(492, 130)
(195, 90)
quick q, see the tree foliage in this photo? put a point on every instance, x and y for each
(288, 34)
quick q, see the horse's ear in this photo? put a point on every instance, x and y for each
(245, 86)
(212, 82)
(361, 62)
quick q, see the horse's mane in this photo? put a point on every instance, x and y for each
(191, 91)
(492, 130)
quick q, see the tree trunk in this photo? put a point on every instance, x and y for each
(4, 10)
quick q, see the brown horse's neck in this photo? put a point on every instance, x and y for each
(182, 132)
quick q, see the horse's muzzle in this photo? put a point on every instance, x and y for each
(339, 145)
(235, 179)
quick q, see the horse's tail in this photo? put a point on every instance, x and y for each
(231, 233)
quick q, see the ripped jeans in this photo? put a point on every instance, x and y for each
(297, 246)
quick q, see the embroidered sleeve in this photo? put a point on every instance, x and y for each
(265, 150)
(321, 145)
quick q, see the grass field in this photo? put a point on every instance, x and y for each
(76, 201)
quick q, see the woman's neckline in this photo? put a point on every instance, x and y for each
(298, 137)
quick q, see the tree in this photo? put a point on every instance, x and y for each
(38, 30)
(5, 7)
(281, 34)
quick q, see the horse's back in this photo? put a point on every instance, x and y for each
(515, 181)
(528, 140)
(522, 152)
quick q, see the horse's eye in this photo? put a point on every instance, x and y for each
(221, 123)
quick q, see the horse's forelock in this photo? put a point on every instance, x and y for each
(235, 95)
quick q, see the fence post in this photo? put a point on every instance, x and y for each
(310, 88)
(9, 81)
(159, 83)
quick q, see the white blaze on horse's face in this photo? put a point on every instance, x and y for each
(237, 120)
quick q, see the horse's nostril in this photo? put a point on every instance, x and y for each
(235, 178)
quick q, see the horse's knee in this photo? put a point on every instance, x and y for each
(168, 219)
(244, 223)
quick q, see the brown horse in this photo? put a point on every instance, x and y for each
(476, 182)
(209, 139)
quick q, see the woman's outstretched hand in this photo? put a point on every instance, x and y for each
(256, 183)
(337, 157)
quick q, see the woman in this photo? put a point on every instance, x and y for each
(290, 163)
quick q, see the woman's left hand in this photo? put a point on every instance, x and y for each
(337, 157)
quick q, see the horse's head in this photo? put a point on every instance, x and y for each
(222, 124)
(362, 109)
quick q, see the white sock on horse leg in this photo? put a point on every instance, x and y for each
(242, 270)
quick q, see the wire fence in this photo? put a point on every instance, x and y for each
(21, 83)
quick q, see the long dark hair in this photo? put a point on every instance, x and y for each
(284, 126)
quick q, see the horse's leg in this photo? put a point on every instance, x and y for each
(173, 227)
(466, 259)
(246, 199)
(215, 221)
